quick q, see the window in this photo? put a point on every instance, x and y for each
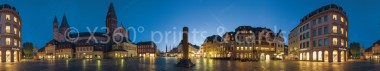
(346, 23)
(335, 41)
(326, 41)
(8, 17)
(319, 20)
(8, 29)
(335, 29)
(326, 18)
(346, 34)
(320, 42)
(319, 31)
(8, 41)
(325, 30)
(15, 42)
(237, 48)
(15, 19)
(341, 42)
(250, 48)
(19, 34)
(342, 31)
(346, 43)
(307, 35)
(307, 44)
(335, 17)
(314, 43)
(307, 26)
(314, 22)
(341, 19)
(15, 30)
(314, 32)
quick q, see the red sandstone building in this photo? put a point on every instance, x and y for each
(320, 36)
(147, 49)
(10, 28)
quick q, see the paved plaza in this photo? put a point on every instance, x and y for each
(168, 64)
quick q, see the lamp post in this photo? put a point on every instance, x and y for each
(185, 61)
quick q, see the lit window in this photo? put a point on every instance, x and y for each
(335, 29)
(19, 34)
(335, 41)
(8, 41)
(346, 43)
(8, 29)
(335, 17)
(8, 17)
(246, 48)
(346, 23)
(15, 42)
(346, 34)
(341, 19)
(19, 23)
(15, 19)
(250, 48)
(341, 42)
(342, 30)
(237, 48)
(19, 43)
(15, 30)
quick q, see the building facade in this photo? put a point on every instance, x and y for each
(147, 49)
(86, 44)
(373, 53)
(254, 43)
(321, 36)
(10, 41)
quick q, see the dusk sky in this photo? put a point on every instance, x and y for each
(200, 15)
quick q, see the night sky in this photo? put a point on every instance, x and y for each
(200, 15)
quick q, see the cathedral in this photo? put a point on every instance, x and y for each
(66, 44)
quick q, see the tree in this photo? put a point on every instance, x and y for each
(27, 50)
(354, 50)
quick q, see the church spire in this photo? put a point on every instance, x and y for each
(55, 20)
(111, 20)
(64, 23)
(111, 12)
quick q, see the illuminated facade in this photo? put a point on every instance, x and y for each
(255, 43)
(321, 36)
(11, 39)
(212, 47)
(373, 53)
(147, 49)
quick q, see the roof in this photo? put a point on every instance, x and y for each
(146, 43)
(64, 23)
(111, 12)
(7, 6)
(319, 10)
(87, 34)
(213, 38)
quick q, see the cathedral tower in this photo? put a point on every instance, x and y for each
(64, 29)
(55, 28)
(111, 20)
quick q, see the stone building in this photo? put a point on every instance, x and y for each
(86, 44)
(321, 36)
(255, 43)
(147, 49)
(10, 28)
